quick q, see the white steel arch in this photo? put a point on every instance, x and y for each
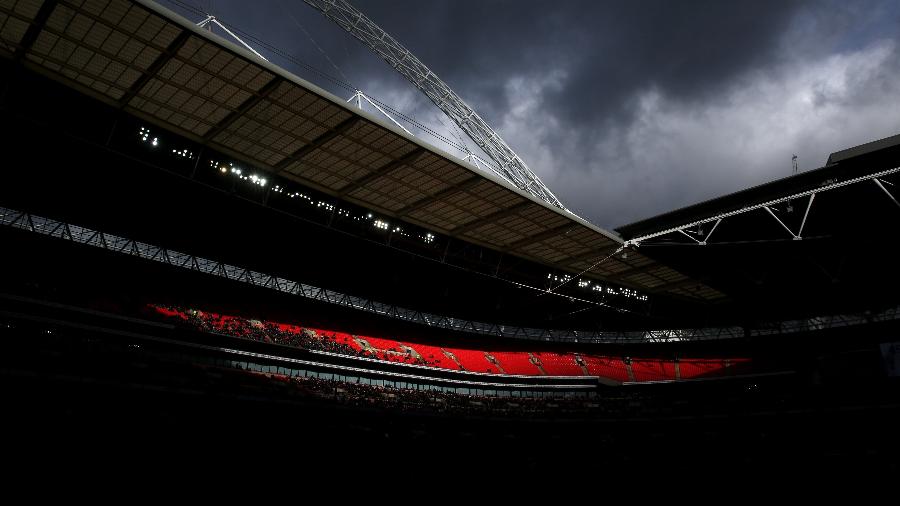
(511, 167)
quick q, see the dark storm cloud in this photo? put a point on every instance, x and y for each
(608, 49)
(628, 109)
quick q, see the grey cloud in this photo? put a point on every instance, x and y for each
(628, 109)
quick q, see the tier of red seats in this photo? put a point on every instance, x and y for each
(382, 344)
(606, 367)
(511, 362)
(516, 362)
(473, 360)
(343, 338)
(650, 370)
(559, 364)
(669, 369)
(706, 368)
(434, 356)
(171, 313)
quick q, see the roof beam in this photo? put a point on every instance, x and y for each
(314, 144)
(391, 166)
(546, 234)
(446, 192)
(34, 29)
(243, 108)
(480, 222)
(154, 68)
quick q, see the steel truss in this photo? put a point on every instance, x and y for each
(703, 239)
(511, 167)
(82, 235)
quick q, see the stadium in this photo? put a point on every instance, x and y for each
(198, 244)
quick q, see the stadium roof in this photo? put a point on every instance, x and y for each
(818, 241)
(864, 149)
(156, 65)
(848, 164)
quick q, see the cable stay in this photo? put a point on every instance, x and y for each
(360, 96)
(210, 19)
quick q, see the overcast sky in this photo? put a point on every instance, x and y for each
(625, 109)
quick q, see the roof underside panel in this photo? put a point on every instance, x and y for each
(15, 21)
(157, 65)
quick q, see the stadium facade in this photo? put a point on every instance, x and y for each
(179, 215)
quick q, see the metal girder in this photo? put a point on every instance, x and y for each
(636, 241)
(45, 226)
(34, 29)
(243, 108)
(391, 166)
(885, 190)
(511, 167)
(155, 67)
(480, 222)
(446, 192)
(110, 242)
(339, 129)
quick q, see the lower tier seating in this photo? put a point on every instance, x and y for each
(534, 363)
